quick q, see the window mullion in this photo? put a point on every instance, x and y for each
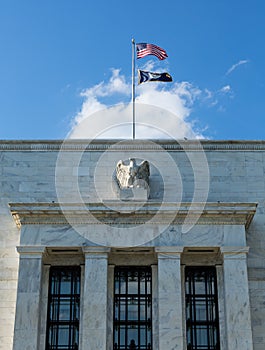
(63, 308)
(194, 322)
(201, 308)
(136, 300)
(58, 308)
(71, 319)
(207, 276)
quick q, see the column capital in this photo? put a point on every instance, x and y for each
(31, 251)
(95, 252)
(171, 252)
(234, 252)
(169, 249)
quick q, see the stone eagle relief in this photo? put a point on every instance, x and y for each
(133, 175)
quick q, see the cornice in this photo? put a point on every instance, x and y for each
(132, 213)
(118, 145)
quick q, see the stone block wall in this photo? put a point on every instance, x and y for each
(32, 172)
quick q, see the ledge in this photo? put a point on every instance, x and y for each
(132, 213)
(141, 144)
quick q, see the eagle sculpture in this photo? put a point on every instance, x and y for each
(132, 175)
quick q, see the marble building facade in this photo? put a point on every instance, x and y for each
(177, 265)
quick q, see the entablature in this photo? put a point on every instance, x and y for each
(132, 213)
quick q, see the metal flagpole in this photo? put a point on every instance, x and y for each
(133, 87)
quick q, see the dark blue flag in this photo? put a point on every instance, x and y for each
(144, 76)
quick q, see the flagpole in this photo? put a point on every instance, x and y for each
(133, 88)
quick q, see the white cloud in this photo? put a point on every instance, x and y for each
(234, 66)
(208, 94)
(162, 110)
(226, 91)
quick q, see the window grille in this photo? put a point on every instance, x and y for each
(132, 308)
(202, 323)
(63, 308)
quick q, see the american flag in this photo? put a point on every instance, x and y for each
(144, 49)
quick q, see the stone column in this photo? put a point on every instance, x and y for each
(170, 316)
(94, 306)
(221, 306)
(27, 324)
(110, 306)
(154, 307)
(44, 305)
(236, 298)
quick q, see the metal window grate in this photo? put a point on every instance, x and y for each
(202, 322)
(63, 308)
(132, 308)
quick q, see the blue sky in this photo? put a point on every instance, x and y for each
(64, 60)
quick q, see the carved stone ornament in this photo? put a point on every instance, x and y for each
(133, 175)
(132, 180)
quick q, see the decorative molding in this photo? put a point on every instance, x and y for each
(233, 250)
(135, 145)
(169, 250)
(31, 251)
(132, 213)
(96, 251)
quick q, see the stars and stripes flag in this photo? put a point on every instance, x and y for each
(144, 49)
